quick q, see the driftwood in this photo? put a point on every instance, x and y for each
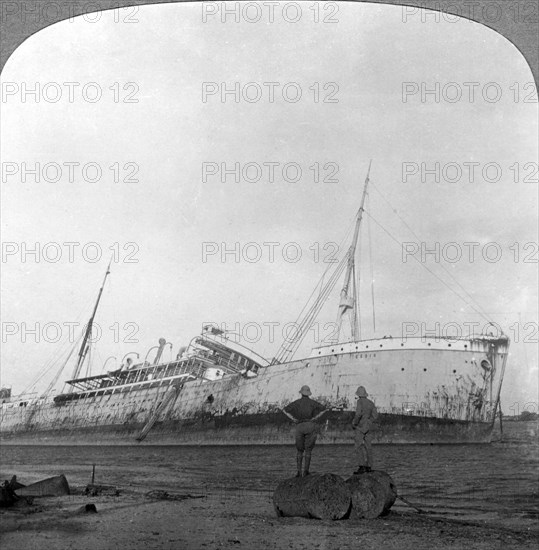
(50, 487)
(321, 496)
(373, 494)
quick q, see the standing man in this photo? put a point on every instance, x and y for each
(303, 412)
(364, 419)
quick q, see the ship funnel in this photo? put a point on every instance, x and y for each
(162, 344)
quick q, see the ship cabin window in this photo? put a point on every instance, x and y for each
(454, 371)
(424, 370)
(402, 368)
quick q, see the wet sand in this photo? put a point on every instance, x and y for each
(475, 497)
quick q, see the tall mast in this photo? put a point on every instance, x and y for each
(349, 299)
(85, 345)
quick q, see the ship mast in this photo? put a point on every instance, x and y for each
(349, 298)
(85, 345)
(305, 320)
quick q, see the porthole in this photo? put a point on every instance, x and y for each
(402, 368)
(424, 370)
(428, 344)
(454, 371)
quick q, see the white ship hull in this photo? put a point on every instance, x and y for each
(427, 391)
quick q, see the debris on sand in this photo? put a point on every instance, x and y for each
(164, 495)
(98, 490)
(86, 509)
(51, 487)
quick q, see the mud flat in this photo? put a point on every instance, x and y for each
(476, 497)
(231, 519)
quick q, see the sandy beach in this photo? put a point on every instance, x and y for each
(231, 520)
(474, 497)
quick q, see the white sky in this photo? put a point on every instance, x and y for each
(169, 213)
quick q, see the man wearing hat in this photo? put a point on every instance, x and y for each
(303, 412)
(364, 419)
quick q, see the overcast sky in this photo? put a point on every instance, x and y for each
(157, 145)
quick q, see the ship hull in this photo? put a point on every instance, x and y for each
(425, 391)
(263, 429)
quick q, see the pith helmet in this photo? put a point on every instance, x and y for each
(361, 392)
(305, 390)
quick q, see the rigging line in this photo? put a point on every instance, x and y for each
(394, 210)
(430, 271)
(56, 355)
(319, 286)
(47, 370)
(372, 272)
(49, 364)
(289, 347)
(316, 309)
(59, 372)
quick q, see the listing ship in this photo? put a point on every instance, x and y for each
(427, 389)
